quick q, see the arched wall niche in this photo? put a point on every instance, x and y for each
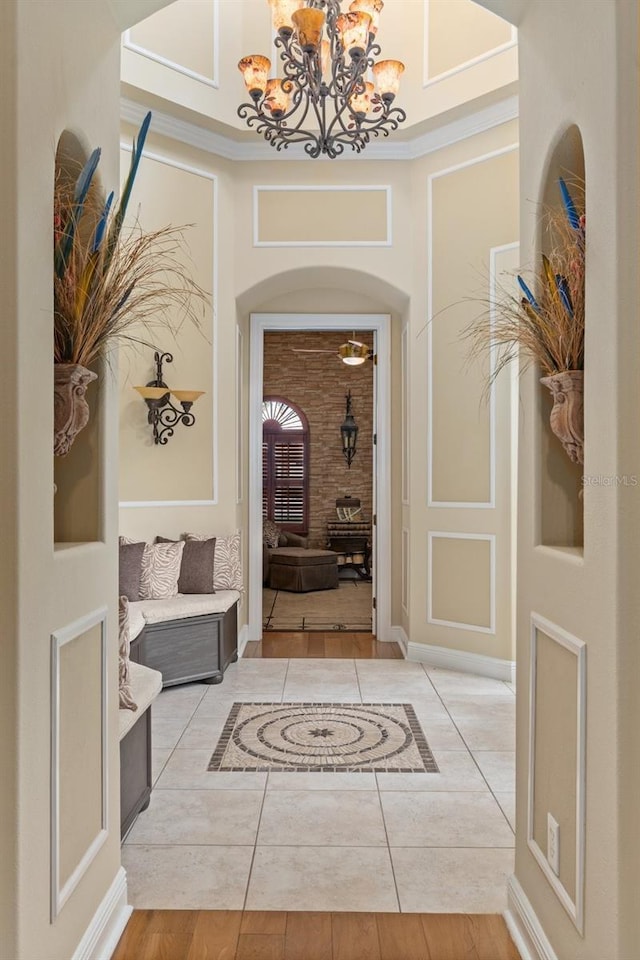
(78, 476)
(560, 508)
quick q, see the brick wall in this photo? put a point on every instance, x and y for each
(317, 383)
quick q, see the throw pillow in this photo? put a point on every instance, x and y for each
(227, 569)
(270, 533)
(196, 568)
(160, 570)
(124, 680)
(130, 570)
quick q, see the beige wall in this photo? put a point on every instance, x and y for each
(584, 72)
(60, 70)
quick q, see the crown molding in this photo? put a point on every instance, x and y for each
(449, 133)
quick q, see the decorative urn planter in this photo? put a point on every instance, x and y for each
(70, 407)
(567, 415)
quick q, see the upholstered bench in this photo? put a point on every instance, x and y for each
(190, 637)
(135, 745)
(300, 570)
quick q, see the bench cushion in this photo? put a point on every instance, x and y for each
(146, 684)
(190, 605)
(136, 620)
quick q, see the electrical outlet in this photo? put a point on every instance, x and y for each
(553, 844)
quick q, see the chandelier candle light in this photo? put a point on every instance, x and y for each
(328, 65)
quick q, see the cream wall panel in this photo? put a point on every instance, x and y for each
(473, 208)
(79, 761)
(184, 468)
(461, 590)
(556, 757)
(183, 37)
(319, 216)
(458, 33)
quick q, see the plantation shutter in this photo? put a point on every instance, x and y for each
(285, 470)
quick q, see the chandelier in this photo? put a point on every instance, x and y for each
(328, 61)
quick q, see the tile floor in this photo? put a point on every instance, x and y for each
(314, 841)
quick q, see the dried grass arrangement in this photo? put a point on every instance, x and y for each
(546, 328)
(112, 284)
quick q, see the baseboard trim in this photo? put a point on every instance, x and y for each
(101, 937)
(525, 928)
(460, 660)
(243, 639)
(400, 637)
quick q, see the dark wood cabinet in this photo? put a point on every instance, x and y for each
(354, 552)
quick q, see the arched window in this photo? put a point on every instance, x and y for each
(285, 465)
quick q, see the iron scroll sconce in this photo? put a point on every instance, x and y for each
(349, 433)
(163, 415)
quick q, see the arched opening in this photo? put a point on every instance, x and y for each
(285, 465)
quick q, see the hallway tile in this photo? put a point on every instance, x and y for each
(203, 733)
(424, 819)
(322, 818)
(322, 878)
(493, 735)
(187, 770)
(322, 692)
(508, 803)
(159, 757)
(187, 878)
(321, 781)
(199, 817)
(166, 731)
(449, 682)
(458, 772)
(452, 880)
(498, 768)
(219, 704)
(441, 733)
(488, 707)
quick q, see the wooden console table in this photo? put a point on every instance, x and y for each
(351, 541)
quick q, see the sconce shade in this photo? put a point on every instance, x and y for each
(276, 98)
(360, 103)
(387, 74)
(152, 393)
(373, 8)
(187, 396)
(308, 23)
(281, 13)
(255, 70)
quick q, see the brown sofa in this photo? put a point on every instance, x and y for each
(286, 540)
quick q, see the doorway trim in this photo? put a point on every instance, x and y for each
(283, 322)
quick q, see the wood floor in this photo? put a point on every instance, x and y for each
(335, 645)
(234, 935)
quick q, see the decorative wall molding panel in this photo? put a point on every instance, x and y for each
(465, 64)
(405, 373)
(239, 415)
(461, 625)
(229, 149)
(213, 178)
(354, 206)
(80, 630)
(573, 906)
(210, 81)
(431, 502)
(405, 571)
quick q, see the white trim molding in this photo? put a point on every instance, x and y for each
(405, 368)
(575, 908)
(239, 415)
(243, 639)
(462, 661)
(61, 893)
(380, 324)
(405, 584)
(443, 535)
(451, 504)
(428, 81)
(213, 178)
(398, 634)
(100, 939)
(526, 930)
(213, 80)
(322, 188)
(252, 149)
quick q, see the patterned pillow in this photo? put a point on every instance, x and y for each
(160, 570)
(124, 680)
(227, 566)
(270, 533)
(196, 568)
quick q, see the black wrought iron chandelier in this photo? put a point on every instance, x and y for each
(327, 58)
(163, 416)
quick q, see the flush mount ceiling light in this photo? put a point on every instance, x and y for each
(163, 415)
(328, 62)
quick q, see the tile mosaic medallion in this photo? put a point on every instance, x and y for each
(323, 738)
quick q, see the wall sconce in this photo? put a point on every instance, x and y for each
(163, 415)
(349, 433)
